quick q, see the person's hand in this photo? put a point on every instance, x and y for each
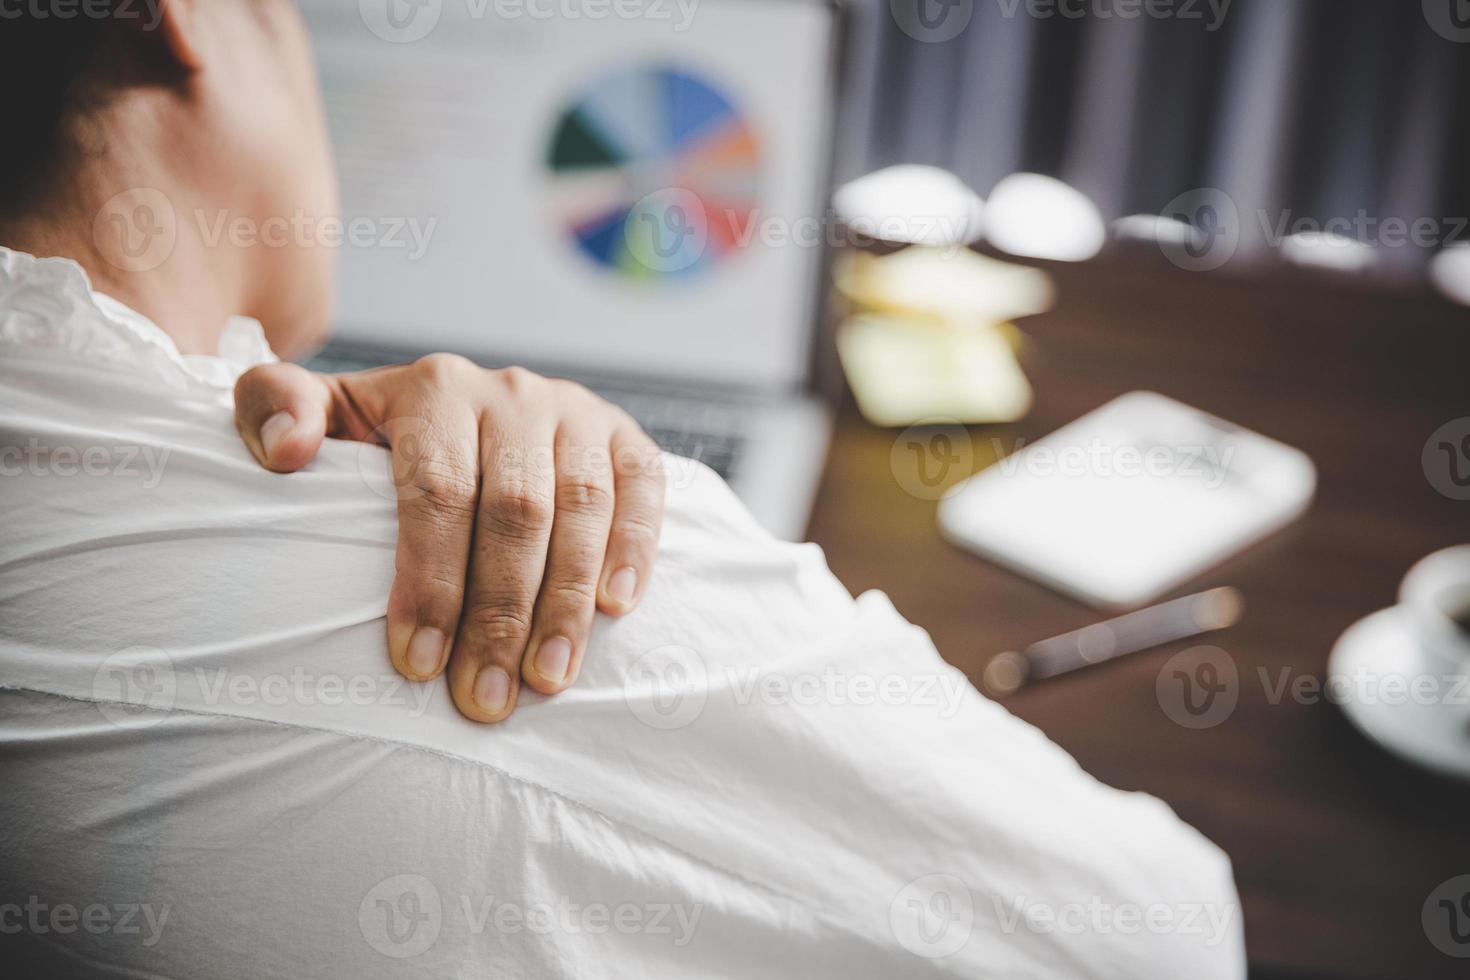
(524, 504)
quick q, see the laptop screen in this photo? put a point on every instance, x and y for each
(598, 186)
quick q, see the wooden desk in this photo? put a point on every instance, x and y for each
(1336, 844)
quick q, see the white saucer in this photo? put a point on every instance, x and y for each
(1381, 646)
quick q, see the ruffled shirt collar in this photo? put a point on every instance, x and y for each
(49, 308)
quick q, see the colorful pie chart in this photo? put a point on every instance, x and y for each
(655, 174)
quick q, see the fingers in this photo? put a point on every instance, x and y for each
(524, 506)
(637, 516)
(436, 469)
(512, 531)
(282, 411)
(579, 533)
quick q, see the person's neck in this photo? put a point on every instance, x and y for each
(185, 287)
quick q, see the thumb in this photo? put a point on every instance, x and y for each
(281, 411)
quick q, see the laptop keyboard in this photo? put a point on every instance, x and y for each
(711, 432)
(717, 451)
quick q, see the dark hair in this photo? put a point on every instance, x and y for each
(49, 61)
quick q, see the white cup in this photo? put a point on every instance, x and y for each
(1435, 600)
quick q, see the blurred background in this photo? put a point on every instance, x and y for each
(1306, 114)
(1257, 208)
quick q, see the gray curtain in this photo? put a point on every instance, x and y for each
(1315, 109)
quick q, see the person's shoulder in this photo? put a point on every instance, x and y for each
(698, 501)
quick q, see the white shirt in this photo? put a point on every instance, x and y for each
(209, 768)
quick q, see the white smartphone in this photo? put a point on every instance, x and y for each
(1130, 500)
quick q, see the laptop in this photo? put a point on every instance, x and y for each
(627, 193)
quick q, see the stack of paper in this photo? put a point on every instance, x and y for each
(930, 337)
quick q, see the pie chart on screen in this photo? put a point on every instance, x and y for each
(655, 174)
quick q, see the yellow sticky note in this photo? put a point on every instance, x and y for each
(944, 284)
(903, 371)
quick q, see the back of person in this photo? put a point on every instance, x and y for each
(212, 770)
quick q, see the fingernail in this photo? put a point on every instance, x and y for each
(622, 585)
(275, 430)
(553, 659)
(492, 690)
(425, 651)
